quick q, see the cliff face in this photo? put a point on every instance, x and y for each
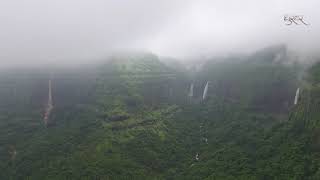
(135, 118)
(306, 112)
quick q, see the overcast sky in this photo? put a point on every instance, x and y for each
(46, 31)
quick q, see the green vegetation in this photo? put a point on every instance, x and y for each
(131, 118)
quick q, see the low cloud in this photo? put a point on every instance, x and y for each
(75, 31)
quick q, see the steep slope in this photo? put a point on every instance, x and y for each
(247, 143)
(132, 118)
(110, 122)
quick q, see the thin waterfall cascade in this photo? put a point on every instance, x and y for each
(49, 105)
(297, 96)
(197, 157)
(50, 93)
(191, 90)
(205, 91)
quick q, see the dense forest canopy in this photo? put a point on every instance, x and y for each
(132, 117)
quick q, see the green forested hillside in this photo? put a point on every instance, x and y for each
(132, 118)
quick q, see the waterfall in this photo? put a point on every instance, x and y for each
(50, 94)
(197, 156)
(49, 105)
(297, 96)
(191, 90)
(205, 91)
